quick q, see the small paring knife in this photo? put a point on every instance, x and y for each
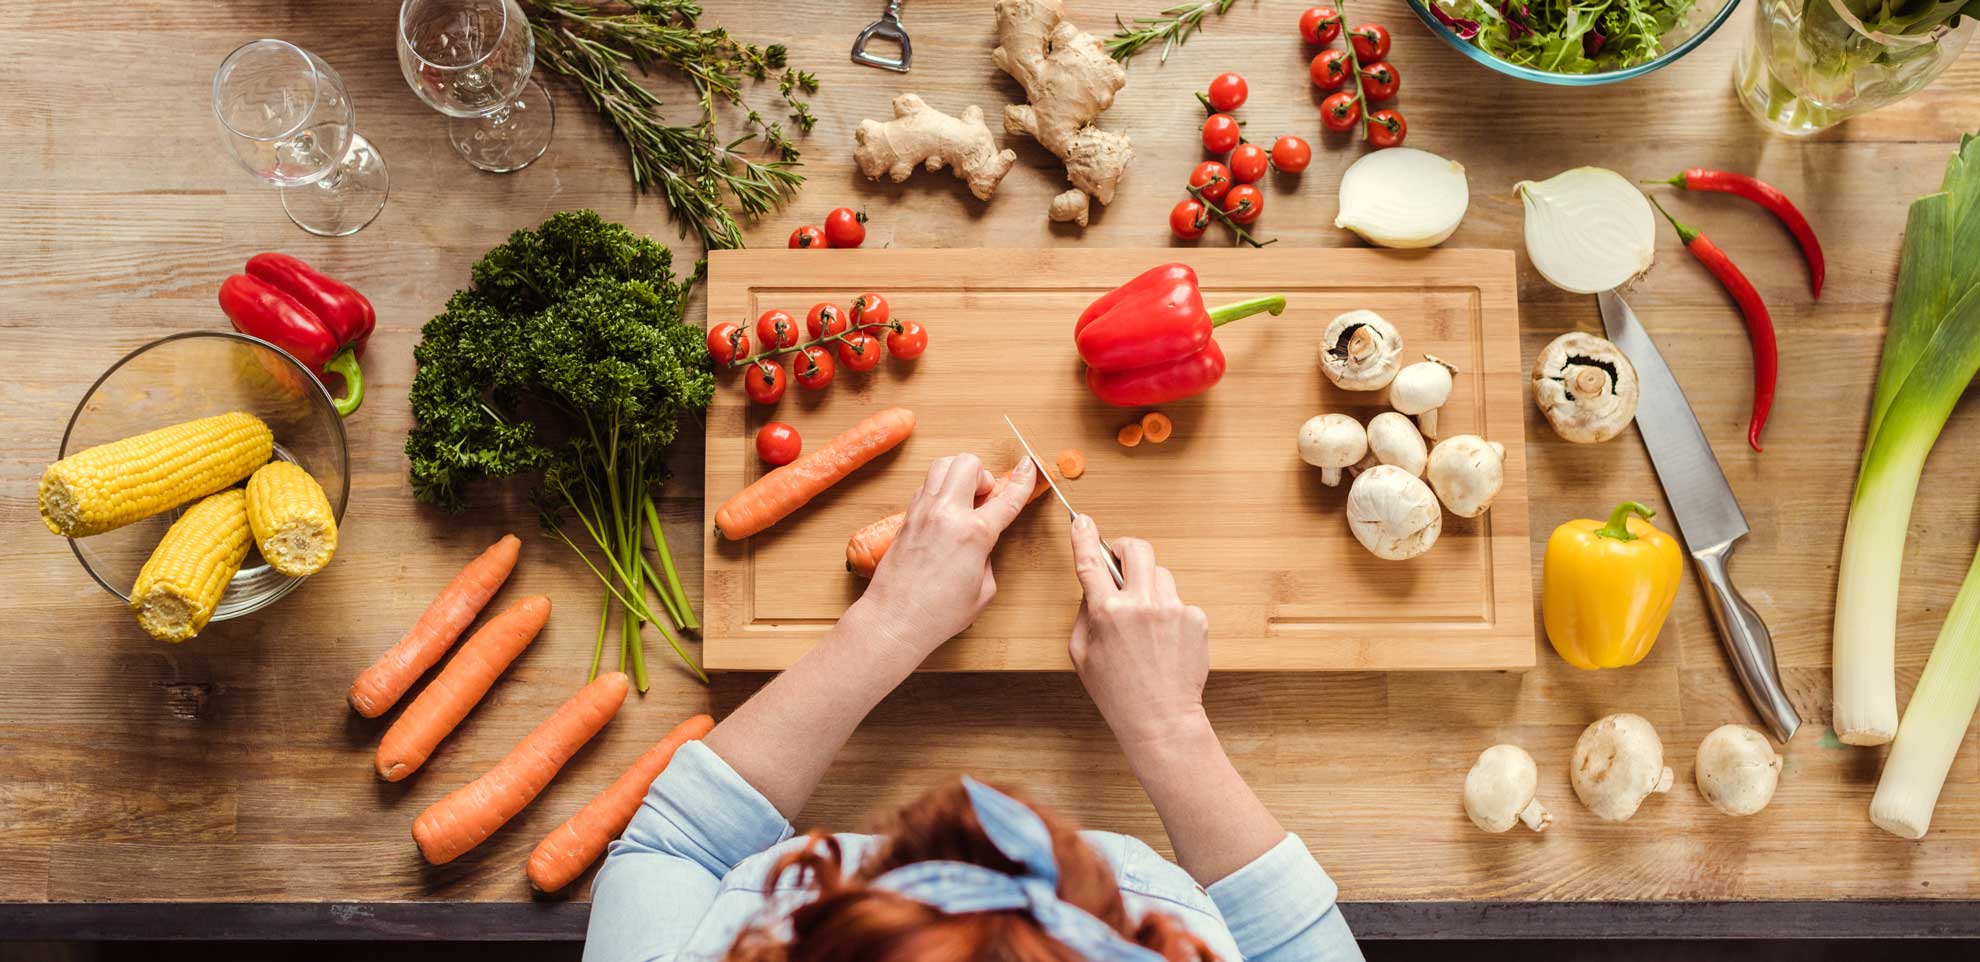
(1107, 550)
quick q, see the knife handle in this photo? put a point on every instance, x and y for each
(1747, 641)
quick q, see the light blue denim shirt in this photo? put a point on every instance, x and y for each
(689, 874)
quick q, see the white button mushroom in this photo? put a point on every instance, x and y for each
(1393, 513)
(1585, 387)
(1467, 472)
(1331, 442)
(1393, 439)
(1737, 769)
(1498, 791)
(1420, 389)
(1618, 762)
(1359, 351)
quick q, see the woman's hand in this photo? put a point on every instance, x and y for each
(936, 578)
(1141, 653)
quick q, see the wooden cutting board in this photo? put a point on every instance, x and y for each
(1253, 536)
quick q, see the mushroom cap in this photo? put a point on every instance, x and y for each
(1499, 786)
(1359, 351)
(1618, 762)
(1585, 386)
(1737, 769)
(1394, 439)
(1467, 472)
(1332, 441)
(1423, 386)
(1393, 513)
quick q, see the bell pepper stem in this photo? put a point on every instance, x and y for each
(1274, 304)
(346, 364)
(1618, 526)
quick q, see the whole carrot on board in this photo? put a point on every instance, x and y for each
(564, 854)
(446, 700)
(381, 685)
(471, 813)
(772, 497)
(1767, 196)
(1759, 324)
(870, 544)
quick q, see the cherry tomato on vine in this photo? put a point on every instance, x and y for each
(1227, 92)
(726, 342)
(1220, 133)
(869, 309)
(1339, 111)
(824, 319)
(1329, 69)
(764, 382)
(845, 227)
(1386, 128)
(1247, 163)
(908, 342)
(813, 367)
(776, 329)
(1291, 154)
(1320, 25)
(1211, 179)
(778, 444)
(1371, 41)
(1244, 203)
(859, 351)
(1379, 80)
(809, 237)
(1187, 219)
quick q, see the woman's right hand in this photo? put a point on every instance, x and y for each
(1142, 654)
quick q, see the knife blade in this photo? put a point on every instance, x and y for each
(1707, 514)
(1106, 550)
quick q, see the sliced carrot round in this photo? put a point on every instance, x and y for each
(1072, 464)
(1129, 435)
(1156, 427)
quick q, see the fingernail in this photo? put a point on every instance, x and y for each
(1083, 523)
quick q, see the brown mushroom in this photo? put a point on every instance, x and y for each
(1585, 387)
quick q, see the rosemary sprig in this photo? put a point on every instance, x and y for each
(1172, 27)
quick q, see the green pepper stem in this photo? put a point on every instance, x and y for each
(1674, 181)
(1275, 304)
(1686, 233)
(346, 364)
(1618, 526)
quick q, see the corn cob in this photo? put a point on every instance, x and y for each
(111, 485)
(182, 582)
(291, 519)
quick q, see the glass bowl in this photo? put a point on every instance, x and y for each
(193, 375)
(1704, 18)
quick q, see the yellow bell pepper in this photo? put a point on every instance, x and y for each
(1606, 589)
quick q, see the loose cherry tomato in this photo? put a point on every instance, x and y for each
(776, 329)
(868, 310)
(813, 367)
(1320, 25)
(1379, 80)
(1291, 154)
(1386, 128)
(1187, 219)
(908, 342)
(1211, 179)
(1329, 69)
(1371, 41)
(859, 351)
(764, 382)
(1247, 163)
(824, 319)
(845, 227)
(1220, 133)
(1244, 203)
(1227, 92)
(778, 444)
(726, 342)
(809, 237)
(1339, 111)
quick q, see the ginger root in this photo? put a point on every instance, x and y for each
(920, 134)
(1070, 81)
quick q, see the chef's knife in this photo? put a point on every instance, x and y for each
(1706, 512)
(1106, 550)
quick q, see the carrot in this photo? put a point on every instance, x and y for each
(1129, 435)
(769, 499)
(449, 697)
(574, 845)
(471, 813)
(870, 544)
(381, 685)
(1157, 427)
(1072, 463)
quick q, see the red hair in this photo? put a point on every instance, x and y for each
(848, 921)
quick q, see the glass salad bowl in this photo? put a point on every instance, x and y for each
(1698, 23)
(193, 375)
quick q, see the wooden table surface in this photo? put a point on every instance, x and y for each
(229, 769)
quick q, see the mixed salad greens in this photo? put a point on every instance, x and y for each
(1565, 36)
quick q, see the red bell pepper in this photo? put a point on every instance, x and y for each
(1149, 340)
(319, 319)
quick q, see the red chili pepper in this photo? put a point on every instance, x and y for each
(1149, 340)
(1759, 324)
(320, 320)
(1768, 196)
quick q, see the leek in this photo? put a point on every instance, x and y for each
(1931, 352)
(1935, 721)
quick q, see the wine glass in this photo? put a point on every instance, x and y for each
(288, 120)
(471, 60)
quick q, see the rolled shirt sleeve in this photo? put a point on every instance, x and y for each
(1280, 908)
